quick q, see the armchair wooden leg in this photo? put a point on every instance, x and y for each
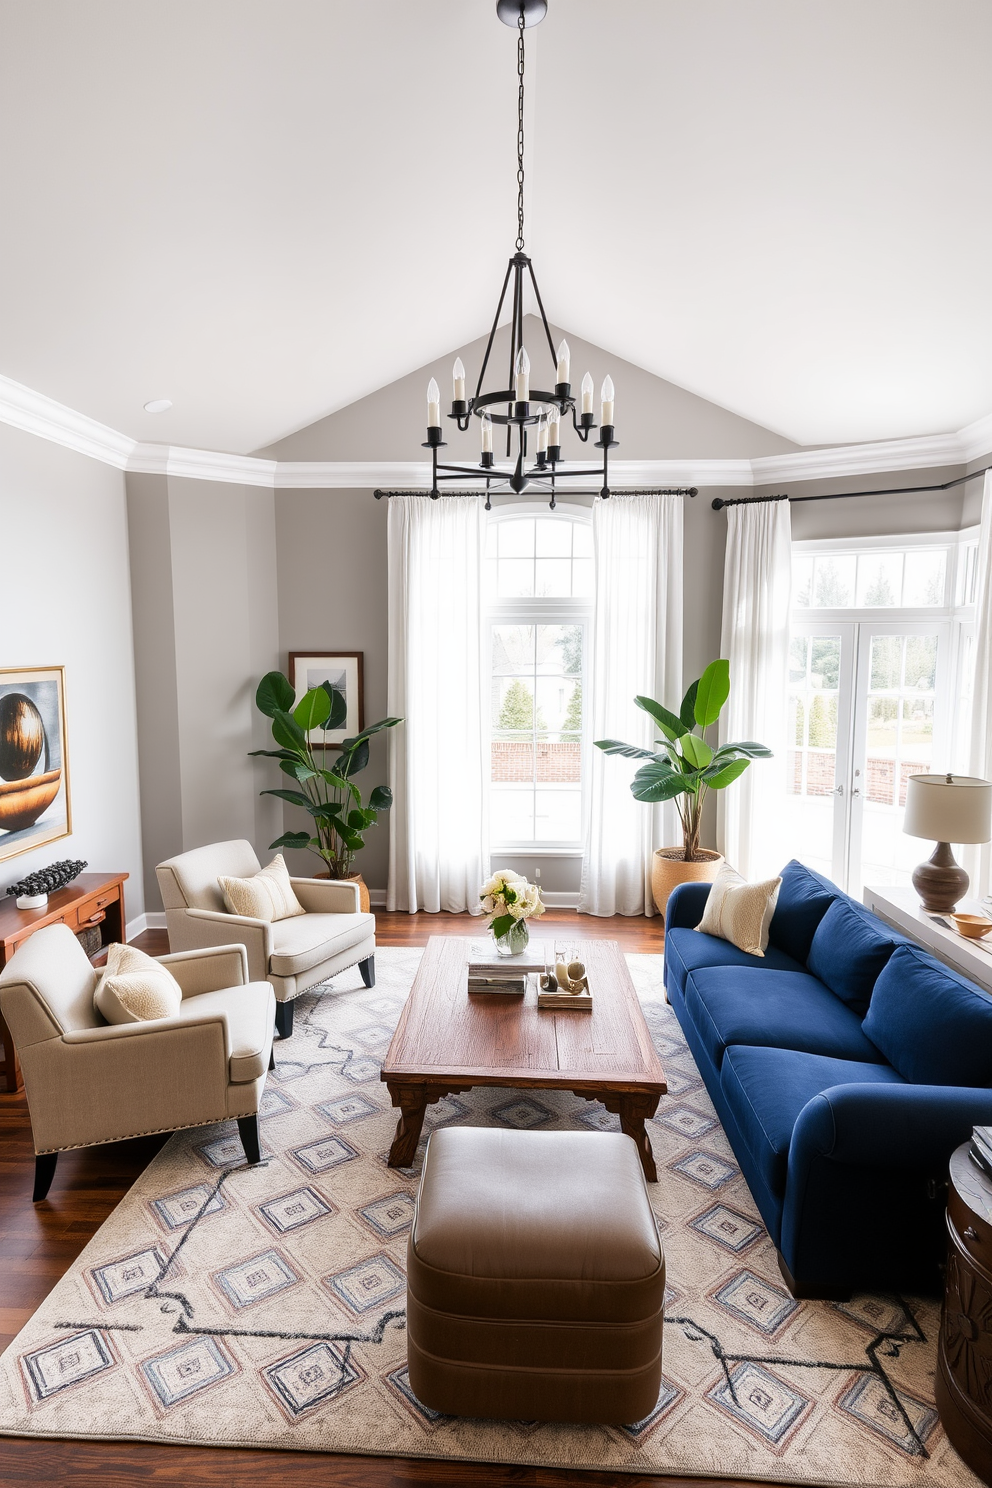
(248, 1129)
(272, 1057)
(367, 968)
(284, 1019)
(44, 1172)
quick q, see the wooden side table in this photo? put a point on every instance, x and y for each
(91, 900)
(964, 1353)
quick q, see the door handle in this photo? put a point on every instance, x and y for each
(855, 792)
(838, 790)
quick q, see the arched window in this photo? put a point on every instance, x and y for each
(540, 585)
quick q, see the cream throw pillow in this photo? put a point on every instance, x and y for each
(267, 896)
(740, 912)
(135, 988)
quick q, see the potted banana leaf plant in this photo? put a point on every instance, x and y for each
(684, 768)
(330, 796)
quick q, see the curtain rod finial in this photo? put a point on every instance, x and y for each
(717, 503)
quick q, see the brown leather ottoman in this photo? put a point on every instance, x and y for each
(535, 1278)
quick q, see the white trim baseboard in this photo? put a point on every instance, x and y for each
(23, 408)
(150, 920)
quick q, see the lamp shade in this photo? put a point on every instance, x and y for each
(948, 808)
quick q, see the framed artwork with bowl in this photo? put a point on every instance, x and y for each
(343, 670)
(35, 804)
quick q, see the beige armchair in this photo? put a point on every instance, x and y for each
(292, 955)
(88, 1081)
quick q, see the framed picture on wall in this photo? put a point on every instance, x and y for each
(343, 670)
(34, 761)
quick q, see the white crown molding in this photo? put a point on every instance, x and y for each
(23, 408)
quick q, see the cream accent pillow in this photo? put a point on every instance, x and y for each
(267, 896)
(135, 988)
(740, 912)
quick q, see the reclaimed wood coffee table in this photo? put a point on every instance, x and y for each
(447, 1041)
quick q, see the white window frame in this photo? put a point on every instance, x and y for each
(953, 620)
(540, 610)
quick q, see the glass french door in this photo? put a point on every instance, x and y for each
(868, 707)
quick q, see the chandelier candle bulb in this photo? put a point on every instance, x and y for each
(564, 361)
(554, 427)
(433, 405)
(458, 379)
(587, 392)
(486, 428)
(521, 376)
(542, 433)
(607, 395)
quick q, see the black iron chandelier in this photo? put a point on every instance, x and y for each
(529, 411)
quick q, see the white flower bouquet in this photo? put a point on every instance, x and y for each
(511, 901)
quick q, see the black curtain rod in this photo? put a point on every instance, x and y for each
(559, 494)
(718, 502)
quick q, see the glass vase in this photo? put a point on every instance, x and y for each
(514, 941)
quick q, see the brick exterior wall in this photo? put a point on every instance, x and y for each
(880, 775)
(556, 764)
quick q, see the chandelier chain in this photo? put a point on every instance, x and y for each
(520, 133)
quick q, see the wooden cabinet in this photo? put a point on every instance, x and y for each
(93, 900)
(964, 1353)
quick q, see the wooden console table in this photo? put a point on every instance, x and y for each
(901, 908)
(91, 900)
(964, 1353)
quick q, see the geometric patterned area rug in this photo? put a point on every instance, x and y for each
(264, 1307)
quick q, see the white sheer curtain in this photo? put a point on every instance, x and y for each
(438, 855)
(636, 649)
(978, 861)
(757, 599)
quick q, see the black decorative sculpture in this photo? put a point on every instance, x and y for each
(47, 880)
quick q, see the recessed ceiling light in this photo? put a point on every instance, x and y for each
(158, 405)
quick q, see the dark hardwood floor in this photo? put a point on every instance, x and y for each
(39, 1242)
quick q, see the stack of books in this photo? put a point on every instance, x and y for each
(507, 984)
(565, 1002)
(980, 1149)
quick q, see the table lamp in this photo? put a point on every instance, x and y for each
(945, 809)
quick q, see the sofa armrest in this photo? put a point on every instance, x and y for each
(327, 895)
(901, 1126)
(196, 929)
(115, 1033)
(210, 969)
(685, 906)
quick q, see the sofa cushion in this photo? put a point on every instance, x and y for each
(803, 900)
(932, 1025)
(135, 988)
(767, 1088)
(775, 1010)
(268, 895)
(687, 949)
(739, 911)
(303, 942)
(250, 1020)
(849, 950)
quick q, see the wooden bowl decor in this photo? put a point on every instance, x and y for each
(34, 771)
(972, 926)
(23, 740)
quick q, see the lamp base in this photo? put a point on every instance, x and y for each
(940, 882)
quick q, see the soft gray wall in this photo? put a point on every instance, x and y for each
(656, 420)
(206, 630)
(876, 516)
(65, 600)
(331, 549)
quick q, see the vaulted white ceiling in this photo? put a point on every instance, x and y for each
(265, 209)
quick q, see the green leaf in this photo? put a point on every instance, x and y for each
(351, 839)
(629, 751)
(313, 710)
(749, 748)
(304, 772)
(279, 754)
(687, 712)
(334, 780)
(696, 751)
(712, 692)
(287, 732)
(375, 728)
(274, 694)
(355, 759)
(294, 839)
(381, 798)
(501, 924)
(654, 785)
(328, 811)
(339, 708)
(360, 819)
(295, 798)
(672, 727)
(726, 775)
(290, 765)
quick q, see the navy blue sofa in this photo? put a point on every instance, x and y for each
(846, 1064)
